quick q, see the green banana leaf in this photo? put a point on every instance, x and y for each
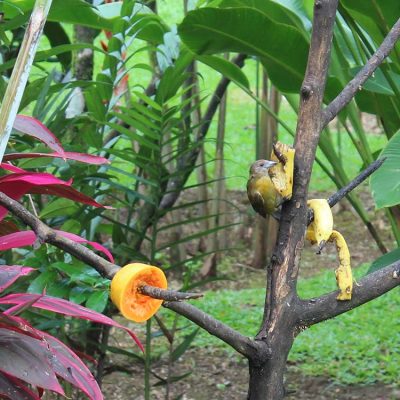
(385, 182)
(282, 48)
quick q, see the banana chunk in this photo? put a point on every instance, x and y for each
(321, 231)
(321, 228)
(281, 174)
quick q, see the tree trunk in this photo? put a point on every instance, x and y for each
(83, 65)
(267, 378)
(278, 328)
(210, 265)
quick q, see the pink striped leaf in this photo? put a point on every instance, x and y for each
(27, 358)
(67, 365)
(63, 361)
(17, 184)
(10, 273)
(65, 307)
(27, 238)
(68, 155)
(13, 388)
(33, 127)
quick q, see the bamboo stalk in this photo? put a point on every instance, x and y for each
(20, 74)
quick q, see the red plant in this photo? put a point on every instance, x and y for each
(30, 356)
(32, 361)
(19, 182)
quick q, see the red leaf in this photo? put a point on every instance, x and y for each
(63, 361)
(70, 367)
(10, 273)
(27, 238)
(69, 155)
(33, 127)
(96, 245)
(14, 389)
(17, 184)
(67, 308)
(12, 168)
(7, 227)
(27, 358)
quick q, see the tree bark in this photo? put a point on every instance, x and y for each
(279, 320)
(83, 65)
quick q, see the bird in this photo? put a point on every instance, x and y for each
(263, 196)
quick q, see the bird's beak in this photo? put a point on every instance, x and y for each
(269, 164)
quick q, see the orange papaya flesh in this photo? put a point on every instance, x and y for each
(124, 291)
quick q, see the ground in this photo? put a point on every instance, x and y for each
(218, 375)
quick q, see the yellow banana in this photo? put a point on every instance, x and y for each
(344, 276)
(281, 173)
(320, 229)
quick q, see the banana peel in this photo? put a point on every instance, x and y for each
(321, 231)
(344, 275)
(281, 174)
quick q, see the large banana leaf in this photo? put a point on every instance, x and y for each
(282, 48)
(385, 183)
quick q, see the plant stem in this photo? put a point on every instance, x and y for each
(19, 77)
(147, 361)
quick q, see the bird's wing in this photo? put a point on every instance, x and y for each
(257, 201)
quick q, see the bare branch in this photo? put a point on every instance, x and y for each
(347, 94)
(256, 350)
(167, 295)
(335, 198)
(242, 344)
(47, 235)
(368, 288)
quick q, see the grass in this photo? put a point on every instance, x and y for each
(359, 347)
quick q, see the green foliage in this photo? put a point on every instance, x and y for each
(283, 54)
(385, 184)
(385, 260)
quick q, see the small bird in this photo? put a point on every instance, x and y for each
(263, 196)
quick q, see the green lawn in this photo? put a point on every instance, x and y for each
(361, 346)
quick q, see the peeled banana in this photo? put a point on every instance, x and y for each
(281, 173)
(321, 231)
(322, 225)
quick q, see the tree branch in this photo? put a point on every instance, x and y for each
(47, 235)
(172, 299)
(249, 348)
(282, 275)
(347, 94)
(167, 295)
(344, 191)
(368, 288)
